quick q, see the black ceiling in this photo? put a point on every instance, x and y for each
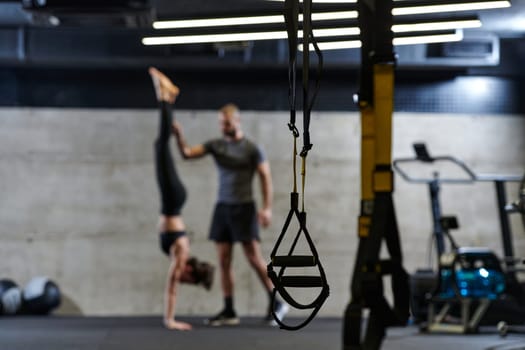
(184, 8)
(504, 22)
(66, 34)
(123, 14)
(51, 59)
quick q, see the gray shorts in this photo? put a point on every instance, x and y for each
(234, 223)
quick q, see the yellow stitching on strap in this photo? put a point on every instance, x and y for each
(303, 174)
(294, 165)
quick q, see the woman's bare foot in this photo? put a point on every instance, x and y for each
(164, 88)
(181, 326)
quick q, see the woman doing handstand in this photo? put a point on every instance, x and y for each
(173, 239)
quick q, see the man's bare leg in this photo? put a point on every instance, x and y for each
(253, 253)
(224, 251)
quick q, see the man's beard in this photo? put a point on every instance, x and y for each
(230, 133)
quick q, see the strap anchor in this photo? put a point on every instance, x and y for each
(293, 129)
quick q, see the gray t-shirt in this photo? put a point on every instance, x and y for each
(236, 162)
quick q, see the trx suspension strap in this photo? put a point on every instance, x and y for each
(521, 200)
(377, 220)
(280, 281)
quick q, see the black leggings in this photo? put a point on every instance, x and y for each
(172, 191)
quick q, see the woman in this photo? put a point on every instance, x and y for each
(173, 239)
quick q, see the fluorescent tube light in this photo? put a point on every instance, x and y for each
(400, 10)
(428, 39)
(326, 32)
(229, 37)
(249, 20)
(327, 16)
(407, 40)
(217, 22)
(430, 26)
(319, 33)
(212, 38)
(335, 45)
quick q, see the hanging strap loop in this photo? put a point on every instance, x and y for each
(282, 282)
(283, 262)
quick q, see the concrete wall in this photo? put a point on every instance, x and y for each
(79, 201)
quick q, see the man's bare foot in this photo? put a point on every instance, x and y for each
(164, 88)
(181, 326)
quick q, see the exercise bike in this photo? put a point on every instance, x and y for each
(471, 286)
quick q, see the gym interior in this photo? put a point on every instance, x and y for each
(423, 177)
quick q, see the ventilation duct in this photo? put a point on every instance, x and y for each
(114, 13)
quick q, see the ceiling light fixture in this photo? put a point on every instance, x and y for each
(217, 22)
(254, 36)
(446, 36)
(402, 8)
(452, 24)
(436, 25)
(429, 39)
(212, 38)
(335, 45)
(248, 20)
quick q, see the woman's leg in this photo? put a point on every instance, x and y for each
(172, 191)
(179, 254)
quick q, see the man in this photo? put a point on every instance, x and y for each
(235, 217)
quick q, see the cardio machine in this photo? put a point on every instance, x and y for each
(471, 286)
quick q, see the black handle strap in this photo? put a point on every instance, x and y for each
(521, 201)
(280, 281)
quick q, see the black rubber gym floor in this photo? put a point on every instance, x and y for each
(145, 333)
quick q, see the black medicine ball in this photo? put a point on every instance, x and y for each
(40, 296)
(10, 297)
